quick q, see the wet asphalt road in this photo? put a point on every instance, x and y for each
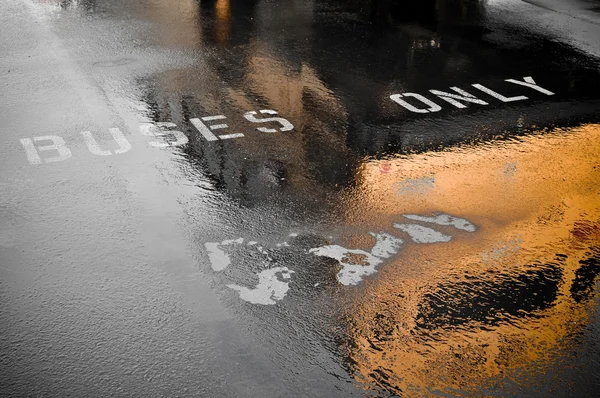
(299, 198)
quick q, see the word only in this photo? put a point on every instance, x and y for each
(459, 97)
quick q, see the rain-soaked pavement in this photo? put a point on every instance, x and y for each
(260, 198)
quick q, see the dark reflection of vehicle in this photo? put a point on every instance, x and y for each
(476, 315)
(473, 332)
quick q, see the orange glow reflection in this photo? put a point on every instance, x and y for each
(503, 302)
(223, 13)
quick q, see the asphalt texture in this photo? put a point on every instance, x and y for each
(256, 198)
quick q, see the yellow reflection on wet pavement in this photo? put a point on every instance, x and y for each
(223, 14)
(504, 301)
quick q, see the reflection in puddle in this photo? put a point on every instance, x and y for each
(459, 314)
(464, 317)
(223, 20)
(415, 186)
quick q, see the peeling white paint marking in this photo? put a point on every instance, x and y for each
(286, 125)
(529, 82)
(433, 107)
(386, 245)
(58, 144)
(269, 289)
(444, 219)
(421, 234)
(454, 98)
(92, 144)
(219, 260)
(499, 96)
(163, 130)
(357, 264)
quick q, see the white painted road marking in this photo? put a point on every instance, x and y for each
(444, 219)
(286, 125)
(455, 99)
(230, 136)
(433, 107)
(165, 130)
(219, 260)
(92, 144)
(356, 264)
(269, 288)
(421, 234)
(463, 96)
(204, 129)
(529, 82)
(498, 96)
(58, 144)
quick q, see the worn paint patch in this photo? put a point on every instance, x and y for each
(386, 245)
(421, 234)
(358, 264)
(269, 289)
(219, 260)
(444, 219)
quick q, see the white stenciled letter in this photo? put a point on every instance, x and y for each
(286, 125)
(454, 98)
(499, 96)
(529, 82)
(92, 144)
(162, 129)
(205, 129)
(433, 107)
(58, 144)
